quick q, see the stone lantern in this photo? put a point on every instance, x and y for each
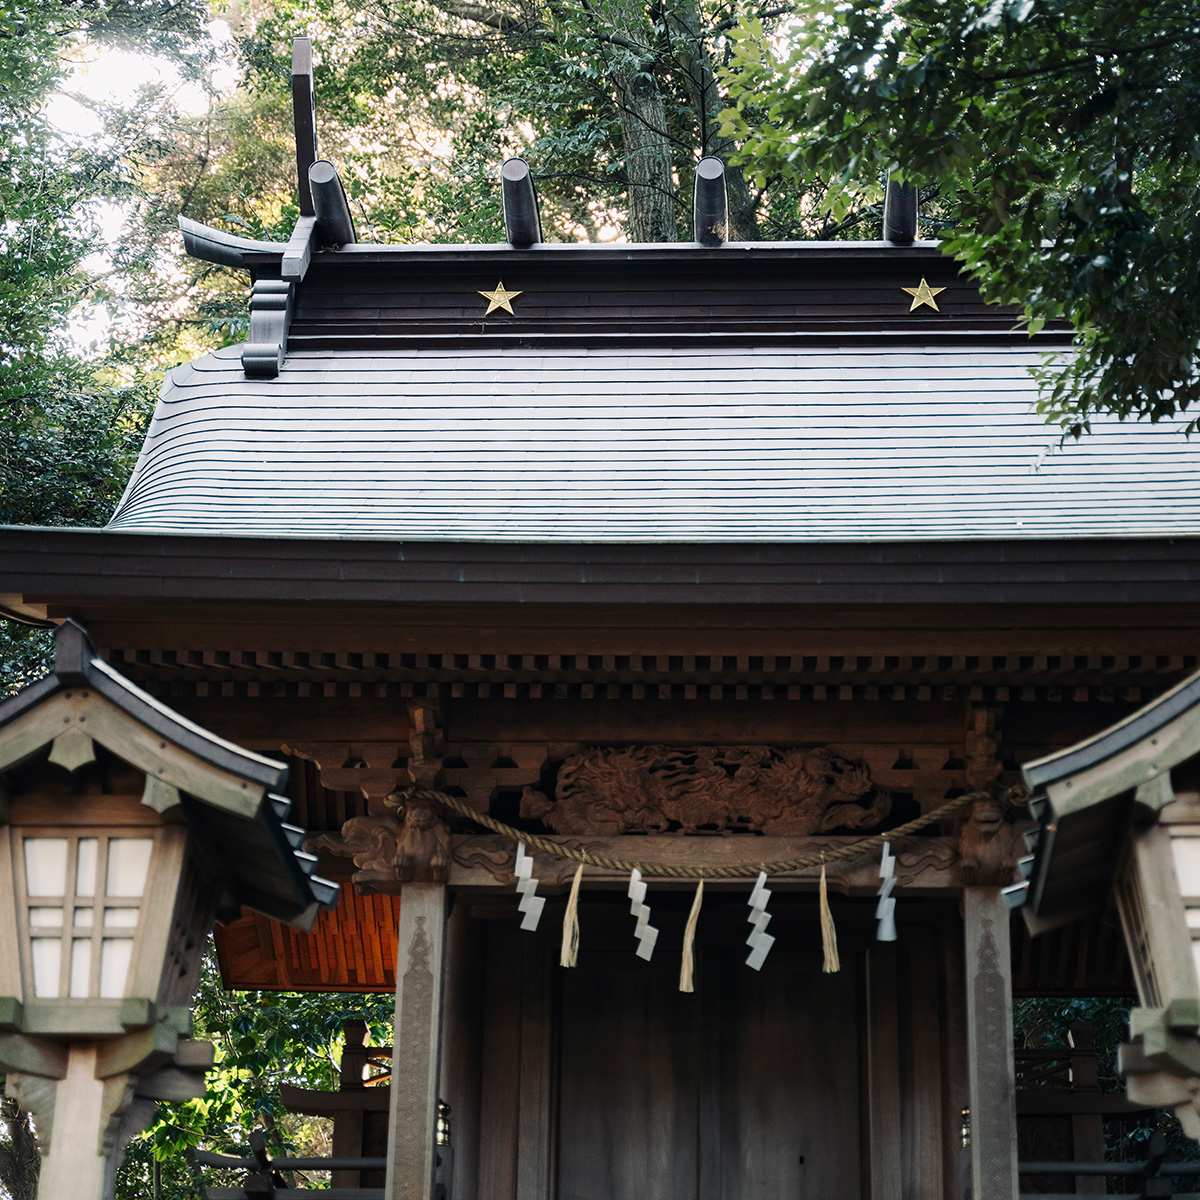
(1119, 823)
(125, 831)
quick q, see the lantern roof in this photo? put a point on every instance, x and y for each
(229, 797)
(1087, 795)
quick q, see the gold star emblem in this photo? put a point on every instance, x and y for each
(923, 295)
(498, 298)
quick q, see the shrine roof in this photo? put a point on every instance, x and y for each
(672, 443)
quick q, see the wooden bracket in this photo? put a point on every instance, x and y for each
(271, 302)
(299, 251)
(427, 747)
(392, 850)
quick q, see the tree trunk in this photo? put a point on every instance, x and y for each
(20, 1162)
(647, 159)
(643, 132)
(700, 82)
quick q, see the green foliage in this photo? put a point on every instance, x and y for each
(1067, 135)
(420, 100)
(26, 654)
(71, 422)
(262, 1040)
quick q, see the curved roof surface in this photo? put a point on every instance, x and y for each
(740, 444)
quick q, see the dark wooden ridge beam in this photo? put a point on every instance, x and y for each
(522, 223)
(304, 114)
(900, 213)
(710, 204)
(334, 219)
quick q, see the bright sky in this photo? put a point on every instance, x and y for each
(113, 77)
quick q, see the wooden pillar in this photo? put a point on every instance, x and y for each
(990, 1046)
(348, 1124)
(462, 1043)
(412, 1120)
(1087, 1129)
(74, 1165)
(956, 1157)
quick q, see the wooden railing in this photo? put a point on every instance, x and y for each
(1153, 1176)
(265, 1178)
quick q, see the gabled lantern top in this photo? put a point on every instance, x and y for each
(227, 796)
(1086, 796)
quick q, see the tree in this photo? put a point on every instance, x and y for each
(72, 420)
(19, 1159)
(612, 101)
(262, 1039)
(1065, 135)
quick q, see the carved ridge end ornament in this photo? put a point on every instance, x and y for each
(792, 792)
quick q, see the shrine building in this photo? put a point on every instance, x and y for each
(703, 559)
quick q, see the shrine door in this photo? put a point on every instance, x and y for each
(605, 1082)
(747, 1089)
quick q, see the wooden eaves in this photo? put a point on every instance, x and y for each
(53, 573)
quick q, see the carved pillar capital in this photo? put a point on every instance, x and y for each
(412, 846)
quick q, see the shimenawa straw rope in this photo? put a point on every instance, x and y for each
(1014, 795)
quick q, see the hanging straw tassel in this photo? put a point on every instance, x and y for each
(828, 932)
(570, 942)
(687, 966)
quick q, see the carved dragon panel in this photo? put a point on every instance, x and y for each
(689, 789)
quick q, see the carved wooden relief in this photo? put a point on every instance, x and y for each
(371, 843)
(988, 846)
(411, 847)
(422, 844)
(689, 789)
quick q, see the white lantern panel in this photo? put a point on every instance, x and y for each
(85, 866)
(47, 960)
(128, 866)
(84, 918)
(81, 966)
(115, 957)
(45, 866)
(45, 918)
(1187, 864)
(120, 918)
